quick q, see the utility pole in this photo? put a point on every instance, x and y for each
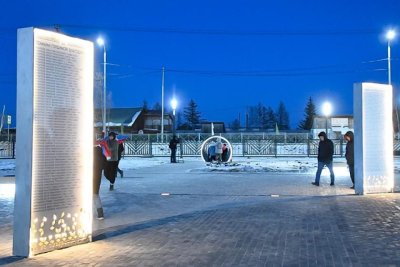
(162, 105)
(2, 118)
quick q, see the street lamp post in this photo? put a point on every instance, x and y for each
(390, 35)
(174, 104)
(327, 111)
(100, 42)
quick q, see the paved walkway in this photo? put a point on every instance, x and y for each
(229, 219)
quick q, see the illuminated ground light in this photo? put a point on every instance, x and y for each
(7, 190)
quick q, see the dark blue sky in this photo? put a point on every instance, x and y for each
(225, 55)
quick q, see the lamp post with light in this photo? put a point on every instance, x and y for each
(390, 35)
(327, 111)
(174, 104)
(100, 42)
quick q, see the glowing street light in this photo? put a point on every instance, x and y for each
(100, 42)
(390, 35)
(174, 104)
(327, 111)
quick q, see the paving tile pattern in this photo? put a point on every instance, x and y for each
(229, 220)
(288, 231)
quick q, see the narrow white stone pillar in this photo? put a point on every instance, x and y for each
(53, 198)
(373, 138)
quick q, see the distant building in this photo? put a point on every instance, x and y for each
(219, 127)
(152, 121)
(337, 125)
(132, 120)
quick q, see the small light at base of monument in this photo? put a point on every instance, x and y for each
(7, 190)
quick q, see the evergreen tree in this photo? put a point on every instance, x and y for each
(261, 115)
(235, 125)
(257, 116)
(309, 114)
(282, 117)
(270, 118)
(191, 114)
(178, 119)
(253, 118)
(157, 106)
(145, 105)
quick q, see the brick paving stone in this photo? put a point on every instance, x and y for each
(211, 226)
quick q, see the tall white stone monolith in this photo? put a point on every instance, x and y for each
(53, 199)
(373, 138)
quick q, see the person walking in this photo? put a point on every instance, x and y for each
(173, 145)
(120, 151)
(349, 136)
(110, 151)
(98, 166)
(325, 158)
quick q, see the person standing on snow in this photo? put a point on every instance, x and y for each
(349, 136)
(325, 158)
(218, 150)
(173, 145)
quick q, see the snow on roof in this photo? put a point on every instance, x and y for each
(119, 116)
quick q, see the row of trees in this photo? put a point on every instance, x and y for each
(258, 116)
(263, 117)
(191, 115)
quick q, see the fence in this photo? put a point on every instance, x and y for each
(7, 149)
(243, 144)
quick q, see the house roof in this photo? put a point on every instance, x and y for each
(119, 116)
(214, 122)
(152, 112)
(334, 116)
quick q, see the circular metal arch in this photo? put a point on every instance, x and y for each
(216, 137)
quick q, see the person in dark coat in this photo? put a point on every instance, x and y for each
(173, 145)
(349, 136)
(110, 170)
(325, 158)
(98, 166)
(120, 150)
(224, 153)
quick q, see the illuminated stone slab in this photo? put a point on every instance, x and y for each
(373, 138)
(53, 199)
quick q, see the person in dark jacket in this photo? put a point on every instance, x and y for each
(325, 158)
(110, 170)
(120, 150)
(98, 166)
(349, 136)
(173, 145)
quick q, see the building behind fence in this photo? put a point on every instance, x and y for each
(243, 144)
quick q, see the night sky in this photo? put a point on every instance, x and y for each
(225, 55)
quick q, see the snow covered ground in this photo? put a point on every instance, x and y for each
(240, 164)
